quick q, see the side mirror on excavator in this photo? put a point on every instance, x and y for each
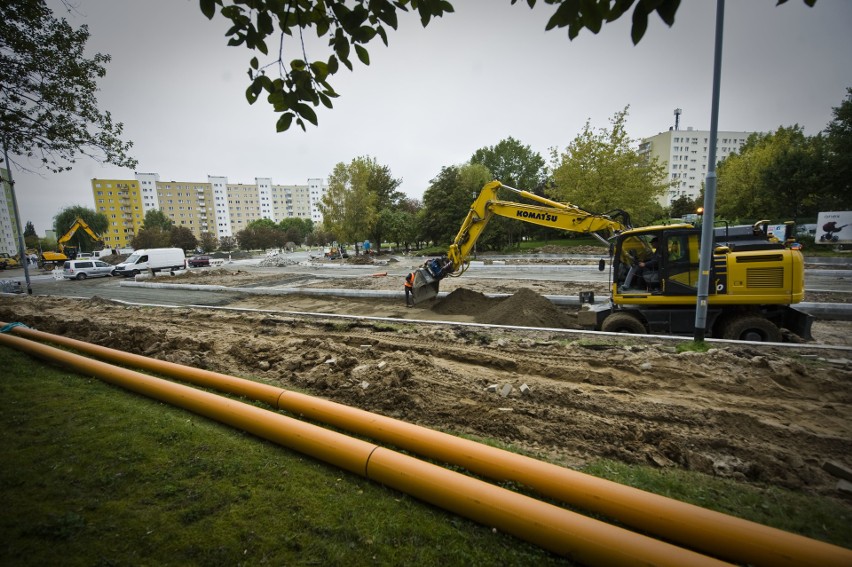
(602, 265)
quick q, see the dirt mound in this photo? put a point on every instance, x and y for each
(463, 301)
(525, 308)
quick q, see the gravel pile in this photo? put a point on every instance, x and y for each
(277, 261)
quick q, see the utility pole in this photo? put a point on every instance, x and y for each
(21, 248)
(707, 241)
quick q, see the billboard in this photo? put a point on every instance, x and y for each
(834, 228)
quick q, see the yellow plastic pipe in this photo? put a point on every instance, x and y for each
(558, 530)
(705, 530)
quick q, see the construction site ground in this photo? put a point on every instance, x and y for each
(763, 415)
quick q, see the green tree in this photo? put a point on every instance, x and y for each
(684, 205)
(447, 201)
(208, 242)
(151, 238)
(838, 136)
(779, 175)
(261, 234)
(65, 219)
(350, 205)
(515, 165)
(183, 238)
(227, 243)
(296, 229)
(30, 237)
(302, 85)
(156, 218)
(602, 172)
(48, 109)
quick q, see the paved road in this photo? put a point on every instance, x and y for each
(110, 288)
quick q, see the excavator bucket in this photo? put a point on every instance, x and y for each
(425, 286)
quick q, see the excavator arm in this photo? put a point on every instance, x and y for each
(544, 212)
(78, 223)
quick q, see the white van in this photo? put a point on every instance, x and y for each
(154, 259)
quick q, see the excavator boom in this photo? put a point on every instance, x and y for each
(544, 212)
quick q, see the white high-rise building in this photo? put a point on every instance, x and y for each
(685, 153)
(317, 188)
(220, 205)
(8, 221)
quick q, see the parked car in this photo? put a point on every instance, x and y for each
(82, 269)
(198, 261)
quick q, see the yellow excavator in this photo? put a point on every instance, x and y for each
(754, 281)
(49, 260)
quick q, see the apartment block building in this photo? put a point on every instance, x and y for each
(213, 206)
(121, 201)
(685, 155)
(8, 220)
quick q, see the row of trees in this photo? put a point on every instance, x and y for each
(778, 175)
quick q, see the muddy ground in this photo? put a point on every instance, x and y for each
(760, 415)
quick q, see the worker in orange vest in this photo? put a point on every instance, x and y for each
(409, 285)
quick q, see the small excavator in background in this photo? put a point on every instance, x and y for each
(755, 277)
(49, 260)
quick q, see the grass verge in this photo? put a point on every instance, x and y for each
(94, 475)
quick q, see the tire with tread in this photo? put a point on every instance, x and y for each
(623, 323)
(751, 328)
(81, 276)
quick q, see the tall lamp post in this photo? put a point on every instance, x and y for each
(18, 229)
(705, 259)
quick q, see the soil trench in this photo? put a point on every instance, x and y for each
(760, 415)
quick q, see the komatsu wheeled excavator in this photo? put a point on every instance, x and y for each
(755, 277)
(49, 260)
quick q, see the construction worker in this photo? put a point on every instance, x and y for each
(409, 286)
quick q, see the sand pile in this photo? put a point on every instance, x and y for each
(525, 308)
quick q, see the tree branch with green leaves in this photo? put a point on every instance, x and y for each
(301, 85)
(49, 114)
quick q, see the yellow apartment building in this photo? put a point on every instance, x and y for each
(188, 204)
(121, 201)
(215, 206)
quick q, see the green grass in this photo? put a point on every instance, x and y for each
(95, 475)
(818, 518)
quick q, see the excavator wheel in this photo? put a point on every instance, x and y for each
(623, 323)
(751, 328)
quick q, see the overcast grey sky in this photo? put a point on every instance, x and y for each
(436, 95)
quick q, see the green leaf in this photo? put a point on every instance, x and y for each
(307, 113)
(592, 18)
(264, 23)
(253, 91)
(667, 11)
(640, 23)
(208, 8)
(254, 63)
(319, 70)
(284, 122)
(566, 14)
(333, 65)
(362, 54)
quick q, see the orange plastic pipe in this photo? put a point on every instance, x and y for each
(558, 530)
(712, 532)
